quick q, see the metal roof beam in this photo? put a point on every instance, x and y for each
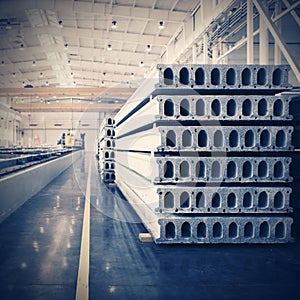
(144, 13)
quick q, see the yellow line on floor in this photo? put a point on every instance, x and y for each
(82, 289)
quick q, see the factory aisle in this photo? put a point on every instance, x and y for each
(40, 250)
(40, 242)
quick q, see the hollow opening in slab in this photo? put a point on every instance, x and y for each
(109, 132)
(200, 107)
(249, 138)
(168, 200)
(106, 166)
(261, 76)
(109, 121)
(262, 107)
(200, 200)
(265, 138)
(112, 166)
(280, 139)
(215, 107)
(201, 230)
(262, 169)
(186, 230)
(231, 170)
(263, 200)
(231, 108)
(247, 108)
(248, 230)
(200, 169)
(168, 76)
(112, 155)
(277, 77)
(170, 230)
(264, 230)
(280, 230)
(200, 76)
(218, 139)
(186, 138)
(184, 200)
(184, 76)
(107, 176)
(233, 138)
(216, 200)
(169, 108)
(215, 77)
(113, 144)
(106, 155)
(230, 76)
(247, 169)
(184, 107)
(217, 230)
(184, 169)
(216, 169)
(168, 170)
(278, 108)
(246, 77)
(233, 230)
(202, 138)
(278, 200)
(247, 200)
(231, 200)
(171, 139)
(278, 170)
(113, 176)
(108, 144)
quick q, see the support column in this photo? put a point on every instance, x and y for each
(250, 56)
(263, 42)
(277, 52)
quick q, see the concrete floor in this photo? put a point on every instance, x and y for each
(40, 248)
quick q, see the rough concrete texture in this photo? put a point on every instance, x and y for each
(226, 138)
(179, 200)
(223, 169)
(224, 76)
(223, 107)
(225, 229)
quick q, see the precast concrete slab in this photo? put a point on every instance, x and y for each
(244, 77)
(225, 229)
(209, 138)
(207, 169)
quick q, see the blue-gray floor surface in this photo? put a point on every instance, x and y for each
(40, 248)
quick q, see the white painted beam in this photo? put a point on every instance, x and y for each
(250, 48)
(278, 38)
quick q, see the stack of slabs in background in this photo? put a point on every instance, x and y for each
(105, 151)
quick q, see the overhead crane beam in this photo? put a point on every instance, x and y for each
(67, 92)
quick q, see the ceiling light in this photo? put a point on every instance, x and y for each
(13, 74)
(66, 46)
(69, 61)
(114, 24)
(60, 23)
(72, 74)
(102, 83)
(132, 75)
(109, 47)
(47, 83)
(141, 64)
(41, 101)
(22, 47)
(2, 62)
(41, 75)
(34, 63)
(161, 25)
(48, 102)
(74, 82)
(148, 49)
(57, 101)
